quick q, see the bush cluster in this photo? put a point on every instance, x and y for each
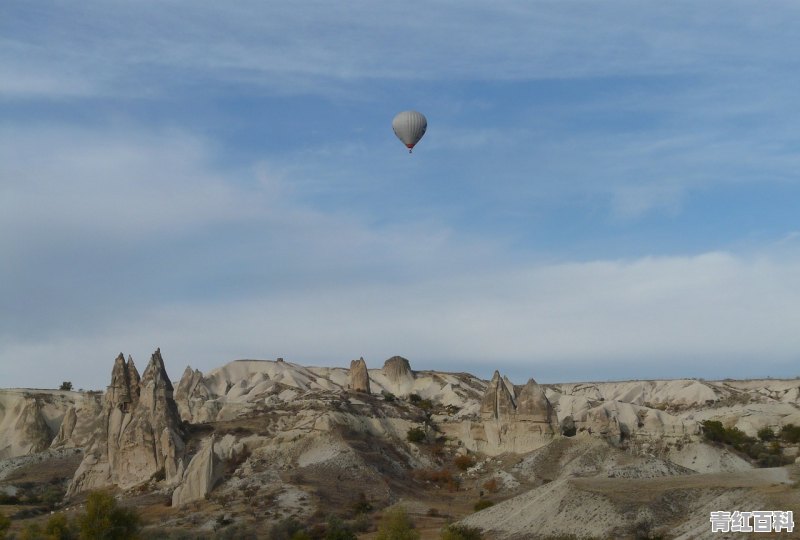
(482, 504)
(424, 404)
(460, 532)
(396, 525)
(103, 519)
(765, 456)
(416, 435)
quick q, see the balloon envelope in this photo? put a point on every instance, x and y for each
(409, 126)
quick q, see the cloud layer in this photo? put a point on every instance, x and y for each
(605, 190)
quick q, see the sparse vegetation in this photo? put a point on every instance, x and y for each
(482, 504)
(460, 532)
(790, 434)
(771, 456)
(286, 529)
(388, 397)
(338, 530)
(415, 435)
(105, 519)
(425, 405)
(5, 523)
(362, 505)
(440, 477)
(491, 485)
(396, 525)
(57, 527)
(464, 462)
(766, 434)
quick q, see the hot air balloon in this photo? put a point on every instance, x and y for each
(409, 126)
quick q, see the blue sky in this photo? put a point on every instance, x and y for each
(606, 189)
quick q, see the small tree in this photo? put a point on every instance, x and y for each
(66, 385)
(106, 520)
(396, 525)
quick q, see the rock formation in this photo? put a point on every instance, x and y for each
(514, 421)
(194, 399)
(398, 373)
(139, 432)
(397, 369)
(200, 476)
(359, 378)
(498, 402)
(533, 406)
(23, 426)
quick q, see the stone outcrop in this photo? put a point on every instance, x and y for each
(23, 426)
(514, 420)
(533, 406)
(200, 476)
(195, 400)
(139, 431)
(359, 377)
(397, 369)
(399, 376)
(498, 401)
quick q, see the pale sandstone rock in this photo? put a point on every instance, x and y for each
(512, 421)
(196, 403)
(139, 432)
(359, 377)
(199, 478)
(24, 428)
(397, 371)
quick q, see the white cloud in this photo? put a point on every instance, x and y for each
(598, 319)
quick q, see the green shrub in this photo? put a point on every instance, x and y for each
(106, 520)
(396, 525)
(58, 527)
(482, 504)
(53, 495)
(32, 531)
(337, 530)
(460, 532)
(388, 396)
(416, 435)
(425, 404)
(285, 529)
(766, 434)
(790, 433)
(66, 385)
(414, 398)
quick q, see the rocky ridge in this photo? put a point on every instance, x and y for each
(306, 437)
